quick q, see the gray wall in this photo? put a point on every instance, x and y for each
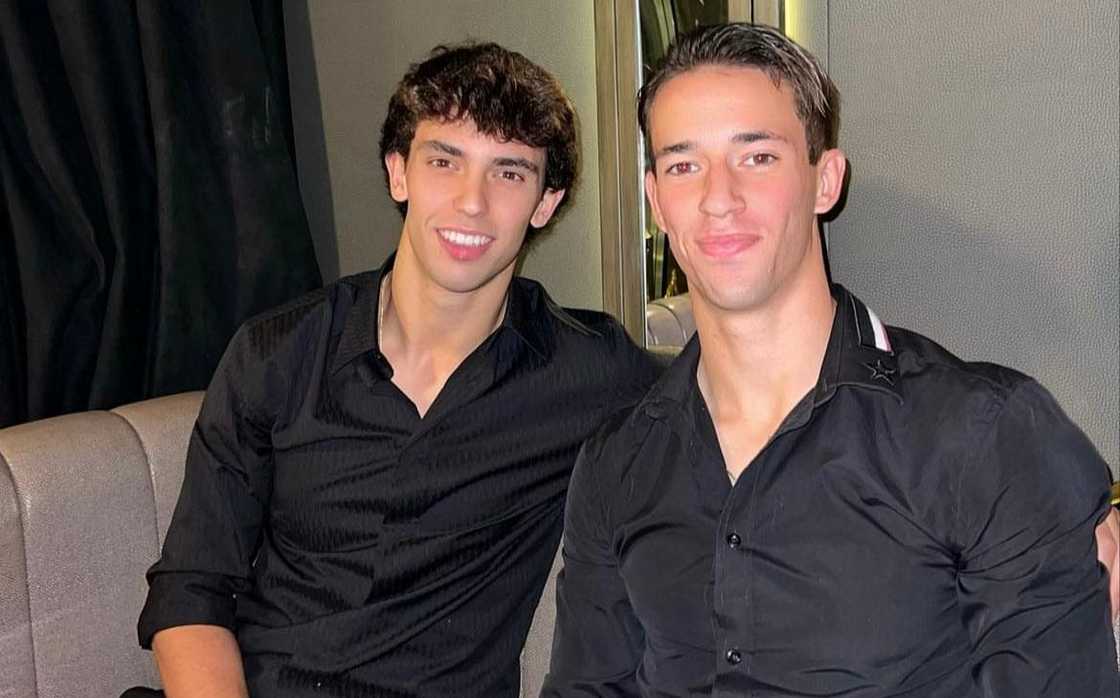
(345, 58)
(983, 208)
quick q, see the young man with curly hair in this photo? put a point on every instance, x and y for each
(374, 488)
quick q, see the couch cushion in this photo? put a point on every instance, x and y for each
(84, 500)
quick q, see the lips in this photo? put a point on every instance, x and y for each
(462, 244)
(721, 246)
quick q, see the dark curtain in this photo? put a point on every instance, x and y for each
(148, 197)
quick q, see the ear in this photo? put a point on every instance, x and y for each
(398, 185)
(542, 214)
(830, 179)
(651, 196)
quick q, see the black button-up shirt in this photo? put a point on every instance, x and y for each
(918, 526)
(358, 550)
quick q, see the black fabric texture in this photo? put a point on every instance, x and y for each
(148, 197)
(358, 549)
(918, 526)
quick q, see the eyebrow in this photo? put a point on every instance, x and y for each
(503, 161)
(517, 162)
(741, 137)
(442, 147)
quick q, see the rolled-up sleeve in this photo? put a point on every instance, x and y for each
(1033, 594)
(598, 641)
(215, 530)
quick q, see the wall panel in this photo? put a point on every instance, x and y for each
(984, 208)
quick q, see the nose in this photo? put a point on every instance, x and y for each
(471, 197)
(720, 194)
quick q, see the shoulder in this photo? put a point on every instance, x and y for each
(591, 327)
(984, 437)
(302, 321)
(281, 347)
(1010, 427)
(592, 340)
(596, 331)
(930, 372)
(956, 405)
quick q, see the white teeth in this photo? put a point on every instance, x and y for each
(464, 239)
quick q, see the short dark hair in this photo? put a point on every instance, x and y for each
(740, 44)
(506, 95)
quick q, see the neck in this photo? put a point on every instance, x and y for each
(757, 364)
(423, 319)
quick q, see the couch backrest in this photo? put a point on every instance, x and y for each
(84, 502)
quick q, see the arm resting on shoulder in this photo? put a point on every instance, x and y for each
(1108, 552)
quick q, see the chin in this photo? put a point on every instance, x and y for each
(733, 298)
(460, 284)
(468, 280)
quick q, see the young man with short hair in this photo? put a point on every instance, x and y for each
(374, 488)
(809, 502)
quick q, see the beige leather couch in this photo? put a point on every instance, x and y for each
(85, 500)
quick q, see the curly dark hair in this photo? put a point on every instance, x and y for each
(746, 45)
(506, 95)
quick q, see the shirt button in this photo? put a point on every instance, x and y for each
(733, 540)
(733, 656)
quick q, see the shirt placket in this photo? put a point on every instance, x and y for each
(733, 591)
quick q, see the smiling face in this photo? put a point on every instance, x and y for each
(471, 198)
(732, 186)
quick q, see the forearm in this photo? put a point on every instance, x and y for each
(1108, 552)
(200, 661)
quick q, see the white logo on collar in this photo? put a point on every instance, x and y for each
(882, 343)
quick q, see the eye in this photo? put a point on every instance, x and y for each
(511, 176)
(439, 162)
(760, 159)
(681, 168)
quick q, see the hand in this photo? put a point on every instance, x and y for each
(1108, 550)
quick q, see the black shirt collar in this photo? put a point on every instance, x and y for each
(859, 351)
(529, 315)
(859, 354)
